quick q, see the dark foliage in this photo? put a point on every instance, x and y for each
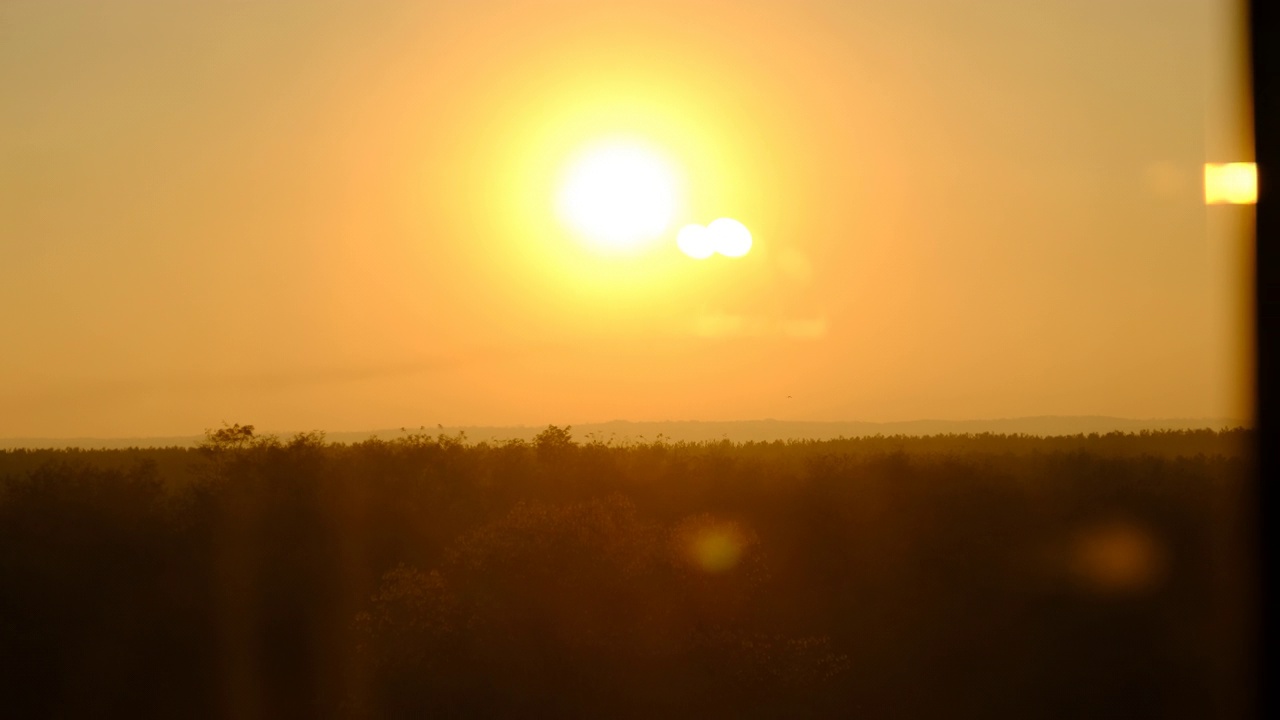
(956, 576)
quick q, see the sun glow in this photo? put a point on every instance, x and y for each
(560, 234)
(619, 194)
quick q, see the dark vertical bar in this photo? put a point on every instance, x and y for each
(1264, 41)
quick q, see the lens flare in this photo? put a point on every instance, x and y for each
(725, 236)
(1117, 557)
(711, 545)
(732, 238)
(717, 551)
(1231, 183)
(696, 242)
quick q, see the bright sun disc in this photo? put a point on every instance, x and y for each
(618, 194)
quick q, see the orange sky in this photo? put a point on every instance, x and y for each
(338, 215)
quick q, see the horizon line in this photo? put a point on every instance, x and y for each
(1207, 423)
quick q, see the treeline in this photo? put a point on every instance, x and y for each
(947, 576)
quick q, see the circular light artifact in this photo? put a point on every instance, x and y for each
(732, 238)
(725, 236)
(696, 242)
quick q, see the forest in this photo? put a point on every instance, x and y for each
(995, 576)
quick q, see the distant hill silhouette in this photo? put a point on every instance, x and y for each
(695, 431)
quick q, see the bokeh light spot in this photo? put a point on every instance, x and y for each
(717, 551)
(711, 545)
(732, 238)
(725, 236)
(1117, 558)
(696, 242)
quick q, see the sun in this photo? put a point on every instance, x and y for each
(618, 194)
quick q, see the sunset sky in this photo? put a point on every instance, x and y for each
(343, 215)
